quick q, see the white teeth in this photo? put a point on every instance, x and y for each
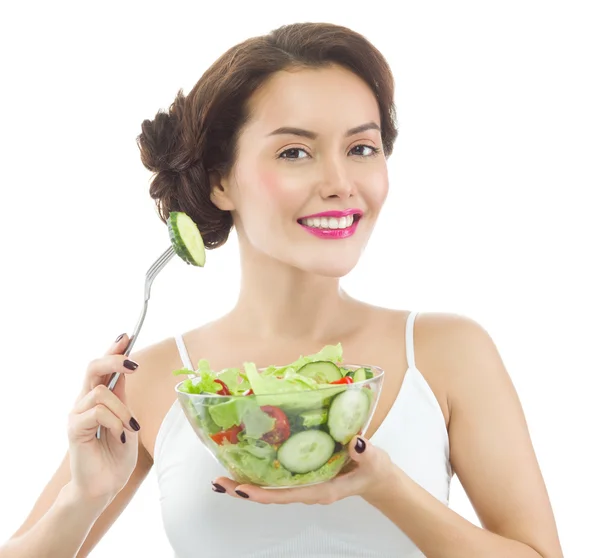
(329, 222)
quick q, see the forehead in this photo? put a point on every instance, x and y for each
(320, 99)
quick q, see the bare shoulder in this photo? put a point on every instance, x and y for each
(448, 348)
(459, 353)
(451, 347)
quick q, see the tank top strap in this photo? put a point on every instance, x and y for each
(185, 357)
(410, 339)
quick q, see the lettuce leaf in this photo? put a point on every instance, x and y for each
(244, 410)
(332, 353)
(204, 382)
(236, 382)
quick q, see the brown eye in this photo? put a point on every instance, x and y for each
(293, 153)
(360, 150)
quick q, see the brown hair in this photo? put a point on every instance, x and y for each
(199, 132)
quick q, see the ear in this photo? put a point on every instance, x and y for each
(220, 191)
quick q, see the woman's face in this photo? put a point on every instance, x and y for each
(310, 177)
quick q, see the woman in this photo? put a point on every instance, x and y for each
(280, 130)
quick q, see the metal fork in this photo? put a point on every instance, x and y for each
(151, 274)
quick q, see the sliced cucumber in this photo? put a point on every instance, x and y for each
(313, 418)
(323, 372)
(348, 414)
(186, 238)
(361, 374)
(306, 451)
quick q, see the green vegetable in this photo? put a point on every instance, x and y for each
(323, 372)
(360, 374)
(306, 451)
(313, 418)
(204, 382)
(186, 238)
(348, 414)
(331, 353)
(240, 410)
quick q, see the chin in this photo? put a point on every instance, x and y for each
(329, 267)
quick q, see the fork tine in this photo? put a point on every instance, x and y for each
(160, 262)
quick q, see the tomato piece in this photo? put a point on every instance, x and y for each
(224, 389)
(248, 392)
(230, 435)
(344, 380)
(281, 429)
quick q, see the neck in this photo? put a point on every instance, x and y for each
(280, 301)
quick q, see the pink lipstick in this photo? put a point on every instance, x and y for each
(332, 224)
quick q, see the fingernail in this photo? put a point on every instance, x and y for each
(119, 338)
(242, 494)
(130, 364)
(218, 488)
(134, 424)
(360, 445)
(123, 436)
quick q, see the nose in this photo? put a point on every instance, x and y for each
(335, 181)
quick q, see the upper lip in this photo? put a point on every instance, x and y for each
(334, 213)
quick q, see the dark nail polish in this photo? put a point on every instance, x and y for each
(242, 494)
(218, 488)
(123, 436)
(360, 445)
(134, 424)
(130, 364)
(119, 338)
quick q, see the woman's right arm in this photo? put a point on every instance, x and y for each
(96, 479)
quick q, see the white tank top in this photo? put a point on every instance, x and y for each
(202, 523)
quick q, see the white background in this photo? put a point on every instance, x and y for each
(491, 212)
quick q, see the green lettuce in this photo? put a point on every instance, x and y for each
(244, 410)
(331, 353)
(236, 382)
(273, 380)
(254, 464)
(204, 382)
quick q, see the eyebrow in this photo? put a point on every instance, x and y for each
(313, 135)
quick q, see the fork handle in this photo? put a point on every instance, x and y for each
(115, 375)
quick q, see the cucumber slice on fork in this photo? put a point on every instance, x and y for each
(187, 243)
(186, 239)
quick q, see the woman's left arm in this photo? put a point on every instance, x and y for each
(490, 451)
(492, 455)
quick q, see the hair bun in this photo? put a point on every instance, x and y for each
(160, 137)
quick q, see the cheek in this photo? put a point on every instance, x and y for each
(275, 192)
(270, 184)
(379, 190)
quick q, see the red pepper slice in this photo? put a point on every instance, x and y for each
(224, 389)
(344, 380)
(230, 435)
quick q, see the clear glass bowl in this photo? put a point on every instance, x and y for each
(308, 431)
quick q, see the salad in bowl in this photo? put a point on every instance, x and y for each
(281, 426)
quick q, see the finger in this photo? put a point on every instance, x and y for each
(322, 493)
(358, 449)
(371, 459)
(225, 485)
(119, 345)
(100, 370)
(83, 426)
(102, 396)
(119, 389)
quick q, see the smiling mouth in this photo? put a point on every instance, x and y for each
(330, 223)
